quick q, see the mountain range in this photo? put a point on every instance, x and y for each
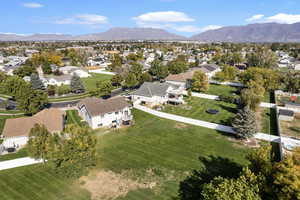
(264, 32)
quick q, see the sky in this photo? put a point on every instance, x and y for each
(184, 17)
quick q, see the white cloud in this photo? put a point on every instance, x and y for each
(167, 20)
(187, 29)
(33, 5)
(163, 17)
(210, 27)
(87, 19)
(283, 18)
(255, 18)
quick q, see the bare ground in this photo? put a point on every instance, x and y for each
(106, 185)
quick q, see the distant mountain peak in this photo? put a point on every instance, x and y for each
(259, 32)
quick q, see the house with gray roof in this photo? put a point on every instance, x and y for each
(158, 93)
(210, 69)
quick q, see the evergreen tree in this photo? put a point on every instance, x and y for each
(244, 123)
(36, 82)
(77, 85)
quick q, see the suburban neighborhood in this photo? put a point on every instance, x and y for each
(164, 109)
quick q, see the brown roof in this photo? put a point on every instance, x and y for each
(52, 118)
(182, 77)
(96, 106)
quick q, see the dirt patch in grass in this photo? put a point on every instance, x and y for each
(106, 185)
(251, 143)
(180, 125)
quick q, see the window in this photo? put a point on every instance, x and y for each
(100, 125)
(116, 113)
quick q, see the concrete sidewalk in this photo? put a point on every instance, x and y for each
(19, 162)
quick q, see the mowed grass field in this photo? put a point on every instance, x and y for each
(90, 82)
(169, 149)
(38, 183)
(196, 109)
(166, 147)
(218, 90)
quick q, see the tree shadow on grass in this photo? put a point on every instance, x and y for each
(191, 187)
(228, 109)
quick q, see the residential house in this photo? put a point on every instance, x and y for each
(16, 131)
(296, 65)
(99, 113)
(210, 69)
(73, 70)
(57, 80)
(158, 93)
(183, 79)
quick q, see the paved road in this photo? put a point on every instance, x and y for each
(227, 129)
(19, 162)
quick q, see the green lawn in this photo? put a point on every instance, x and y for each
(170, 149)
(268, 121)
(90, 82)
(38, 183)
(196, 109)
(69, 98)
(218, 90)
(74, 118)
(20, 154)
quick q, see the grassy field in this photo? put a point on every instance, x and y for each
(90, 82)
(74, 118)
(69, 98)
(268, 121)
(38, 183)
(196, 109)
(167, 149)
(218, 90)
(21, 153)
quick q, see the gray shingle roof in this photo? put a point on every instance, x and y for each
(289, 113)
(153, 89)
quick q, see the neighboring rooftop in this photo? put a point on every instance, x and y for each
(289, 113)
(149, 89)
(52, 118)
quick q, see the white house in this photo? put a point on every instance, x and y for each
(158, 93)
(297, 65)
(72, 70)
(99, 113)
(57, 80)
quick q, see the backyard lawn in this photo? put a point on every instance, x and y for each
(196, 109)
(154, 150)
(267, 121)
(38, 183)
(218, 90)
(20, 154)
(74, 118)
(90, 82)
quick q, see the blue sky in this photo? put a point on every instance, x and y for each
(185, 17)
